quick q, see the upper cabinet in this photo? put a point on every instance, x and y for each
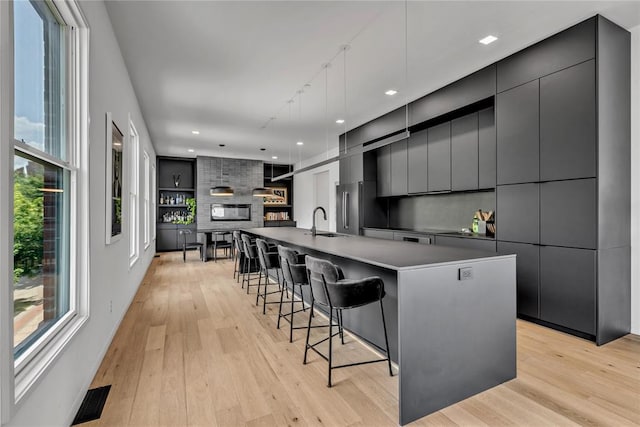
(486, 148)
(517, 128)
(351, 169)
(464, 153)
(417, 148)
(399, 168)
(570, 47)
(439, 157)
(383, 160)
(568, 123)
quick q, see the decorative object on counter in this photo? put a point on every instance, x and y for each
(483, 223)
(176, 180)
(221, 190)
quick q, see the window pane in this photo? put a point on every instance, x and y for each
(40, 249)
(39, 78)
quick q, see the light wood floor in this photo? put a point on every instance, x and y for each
(193, 349)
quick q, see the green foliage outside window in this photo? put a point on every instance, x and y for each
(28, 221)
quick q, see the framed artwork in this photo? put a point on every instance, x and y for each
(280, 197)
(114, 180)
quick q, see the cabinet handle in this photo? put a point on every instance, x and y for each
(346, 210)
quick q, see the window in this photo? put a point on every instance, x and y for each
(153, 201)
(50, 188)
(134, 217)
(147, 213)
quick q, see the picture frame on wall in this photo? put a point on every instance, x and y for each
(279, 198)
(114, 180)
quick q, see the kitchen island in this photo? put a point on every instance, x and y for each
(451, 312)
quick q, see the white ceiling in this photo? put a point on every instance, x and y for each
(226, 68)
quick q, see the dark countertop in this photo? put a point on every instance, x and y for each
(437, 232)
(391, 254)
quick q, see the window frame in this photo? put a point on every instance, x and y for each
(17, 379)
(154, 191)
(147, 194)
(134, 193)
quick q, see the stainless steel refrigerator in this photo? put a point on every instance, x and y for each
(357, 207)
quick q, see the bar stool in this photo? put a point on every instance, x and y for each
(268, 257)
(250, 259)
(330, 289)
(237, 251)
(294, 272)
(190, 245)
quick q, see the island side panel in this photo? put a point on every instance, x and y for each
(457, 337)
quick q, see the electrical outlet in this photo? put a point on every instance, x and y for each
(110, 306)
(465, 273)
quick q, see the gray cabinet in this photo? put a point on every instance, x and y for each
(517, 128)
(425, 239)
(383, 160)
(351, 169)
(399, 168)
(464, 152)
(568, 287)
(527, 276)
(417, 151)
(568, 213)
(467, 243)
(486, 148)
(568, 123)
(518, 213)
(166, 239)
(439, 157)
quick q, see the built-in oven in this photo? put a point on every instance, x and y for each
(230, 212)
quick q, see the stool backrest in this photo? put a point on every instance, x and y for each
(237, 241)
(249, 248)
(263, 256)
(321, 274)
(293, 272)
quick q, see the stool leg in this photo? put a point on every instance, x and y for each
(386, 340)
(340, 325)
(264, 296)
(306, 345)
(292, 310)
(330, 342)
(280, 308)
(304, 308)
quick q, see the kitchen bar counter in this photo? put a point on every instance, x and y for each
(451, 312)
(436, 232)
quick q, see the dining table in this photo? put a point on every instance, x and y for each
(217, 239)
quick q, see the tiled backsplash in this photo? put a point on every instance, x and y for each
(243, 176)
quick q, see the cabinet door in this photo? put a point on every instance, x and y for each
(356, 163)
(567, 287)
(439, 157)
(399, 168)
(517, 127)
(384, 171)
(527, 275)
(378, 234)
(568, 213)
(486, 149)
(464, 152)
(568, 123)
(518, 213)
(467, 243)
(167, 240)
(417, 163)
(345, 174)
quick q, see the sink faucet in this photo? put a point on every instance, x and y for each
(324, 214)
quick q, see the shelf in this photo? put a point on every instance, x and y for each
(172, 206)
(177, 190)
(266, 205)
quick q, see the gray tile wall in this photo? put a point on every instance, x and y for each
(243, 176)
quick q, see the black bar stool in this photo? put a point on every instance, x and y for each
(250, 260)
(268, 257)
(190, 245)
(294, 272)
(330, 289)
(237, 251)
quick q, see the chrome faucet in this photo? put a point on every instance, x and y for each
(324, 214)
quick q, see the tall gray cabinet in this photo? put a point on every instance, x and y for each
(563, 175)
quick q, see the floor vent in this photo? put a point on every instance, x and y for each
(91, 408)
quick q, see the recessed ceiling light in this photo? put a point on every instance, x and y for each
(391, 92)
(195, 132)
(274, 157)
(340, 121)
(487, 40)
(299, 143)
(221, 145)
(262, 149)
(191, 150)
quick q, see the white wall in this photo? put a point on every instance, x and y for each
(57, 396)
(635, 180)
(304, 187)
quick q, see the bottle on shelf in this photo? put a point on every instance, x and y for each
(162, 198)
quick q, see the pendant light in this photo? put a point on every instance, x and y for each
(221, 190)
(264, 191)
